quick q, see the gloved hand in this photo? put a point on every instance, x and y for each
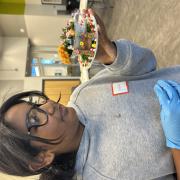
(168, 93)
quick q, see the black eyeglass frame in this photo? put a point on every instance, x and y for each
(29, 125)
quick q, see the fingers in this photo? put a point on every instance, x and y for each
(102, 34)
(92, 12)
(161, 94)
(167, 88)
(100, 23)
(171, 92)
(175, 85)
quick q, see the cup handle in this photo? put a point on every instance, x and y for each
(84, 74)
(83, 5)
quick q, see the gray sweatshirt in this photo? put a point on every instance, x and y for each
(123, 137)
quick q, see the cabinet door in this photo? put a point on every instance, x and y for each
(53, 88)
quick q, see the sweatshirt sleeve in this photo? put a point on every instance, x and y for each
(132, 59)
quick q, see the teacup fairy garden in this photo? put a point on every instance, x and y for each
(79, 40)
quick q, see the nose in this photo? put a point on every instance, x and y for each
(49, 107)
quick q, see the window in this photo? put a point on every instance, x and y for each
(44, 61)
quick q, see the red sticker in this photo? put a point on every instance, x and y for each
(120, 88)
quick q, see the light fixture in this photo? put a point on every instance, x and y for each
(22, 30)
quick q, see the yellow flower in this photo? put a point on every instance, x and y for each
(94, 45)
(81, 43)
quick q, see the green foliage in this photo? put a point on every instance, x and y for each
(84, 57)
(88, 28)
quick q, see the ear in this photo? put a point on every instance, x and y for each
(43, 159)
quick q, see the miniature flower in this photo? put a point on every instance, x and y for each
(63, 54)
(76, 51)
(94, 45)
(70, 33)
(81, 43)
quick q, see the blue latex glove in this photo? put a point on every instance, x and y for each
(168, 93)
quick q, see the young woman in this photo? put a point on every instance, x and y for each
(32, 127)
(109, 130)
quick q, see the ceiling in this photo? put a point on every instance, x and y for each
(41, 23)
(10, 25)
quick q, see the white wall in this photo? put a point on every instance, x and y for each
(14, 56)
(1, 45)
(45, 30)
(33, 2)
(1, 42)
(43, 24)
(39, 9)
(33, 83)
(9, 88)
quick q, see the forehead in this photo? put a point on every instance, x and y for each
(16, 116)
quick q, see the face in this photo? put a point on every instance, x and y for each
(62, 123)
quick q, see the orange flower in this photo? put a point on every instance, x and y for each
(70, 33)
(63, 54)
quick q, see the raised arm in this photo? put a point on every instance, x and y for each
(168, 93)
(123, 56)
(132, 59)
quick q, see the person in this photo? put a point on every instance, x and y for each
(168, 93)
(110, 128)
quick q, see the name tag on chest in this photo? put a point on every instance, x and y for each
(120, 88)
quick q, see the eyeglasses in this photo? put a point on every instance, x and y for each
(35, 118)
(36, 99)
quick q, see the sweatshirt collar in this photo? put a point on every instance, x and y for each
(82, 153)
